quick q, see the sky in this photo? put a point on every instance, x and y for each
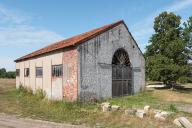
(28, 25)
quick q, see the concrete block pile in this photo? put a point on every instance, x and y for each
(142, 113)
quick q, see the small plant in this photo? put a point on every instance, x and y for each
(173, 108)
(21, 89)
(40, 94)
(24, 90)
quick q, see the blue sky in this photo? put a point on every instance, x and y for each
(27, 25)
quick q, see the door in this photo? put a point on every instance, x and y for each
(121, 74)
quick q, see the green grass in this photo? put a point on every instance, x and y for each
(136, 101)
(36, 106)
(173, 108)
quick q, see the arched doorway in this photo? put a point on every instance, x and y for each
(121, 74)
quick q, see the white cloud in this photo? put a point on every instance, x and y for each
(26, 35)
(144, 29)
(7, 62)
(10, 16)
(181, 4)
(15, 30)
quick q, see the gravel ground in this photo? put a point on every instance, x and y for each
(9, 121)
(185, 108)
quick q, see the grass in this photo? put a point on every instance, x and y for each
(36, 106)
(136, 101)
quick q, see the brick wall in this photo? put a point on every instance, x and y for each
(70, 74)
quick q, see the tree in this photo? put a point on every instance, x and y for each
(187, 35)
(2, 73)
(10, 74)
(5, 74)
(167, 55)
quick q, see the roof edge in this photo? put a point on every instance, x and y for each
(133, 38)
(108, 27)
(23, 58)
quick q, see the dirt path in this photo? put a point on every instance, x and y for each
(185, 108)
(7, 121)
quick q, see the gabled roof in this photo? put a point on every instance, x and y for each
(71, 41)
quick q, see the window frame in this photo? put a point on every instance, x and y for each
(25, 72)
(17, 72)
(53, 69)
(37, 75)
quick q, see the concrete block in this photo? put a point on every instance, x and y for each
(140, 113)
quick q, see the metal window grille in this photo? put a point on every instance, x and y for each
(121, 74)
(57, 70)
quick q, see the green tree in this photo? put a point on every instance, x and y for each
(167, 55)
(5, 74)
(10, 74)
(2, 73)
(187, 35)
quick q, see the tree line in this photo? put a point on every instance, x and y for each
(5, 74)
(169, 51)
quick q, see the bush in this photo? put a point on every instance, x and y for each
(21, 89)
(184, 80)
(40, 94)
(24, 90)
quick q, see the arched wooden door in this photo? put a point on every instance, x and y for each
(121, 74)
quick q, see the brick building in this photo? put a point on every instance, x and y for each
(102, 63)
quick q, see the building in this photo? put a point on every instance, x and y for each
(102, 63)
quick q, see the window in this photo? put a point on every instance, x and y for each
(26, 72)
(17, 72)
(57, 70)
(39, 71)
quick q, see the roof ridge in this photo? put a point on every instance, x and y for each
(71, 41)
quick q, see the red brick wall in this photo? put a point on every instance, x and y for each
(70, 87)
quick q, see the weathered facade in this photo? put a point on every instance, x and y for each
(105, 62)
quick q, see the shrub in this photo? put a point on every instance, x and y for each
(184, 80)
(40, 94)
(21, 89)
(24, 90)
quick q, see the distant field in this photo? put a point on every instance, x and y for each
(28, 105)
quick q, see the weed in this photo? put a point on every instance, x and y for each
(38, 107)
(173, 108)
(24, 90)
(137, 100)
(40, 94)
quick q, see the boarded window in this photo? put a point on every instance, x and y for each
(39, 71)
(57, 70)
(26, 72)
(17, 72)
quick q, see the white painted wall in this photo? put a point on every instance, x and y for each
(53, 88)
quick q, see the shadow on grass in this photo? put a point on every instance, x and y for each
(179, 88)
(184, 90)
